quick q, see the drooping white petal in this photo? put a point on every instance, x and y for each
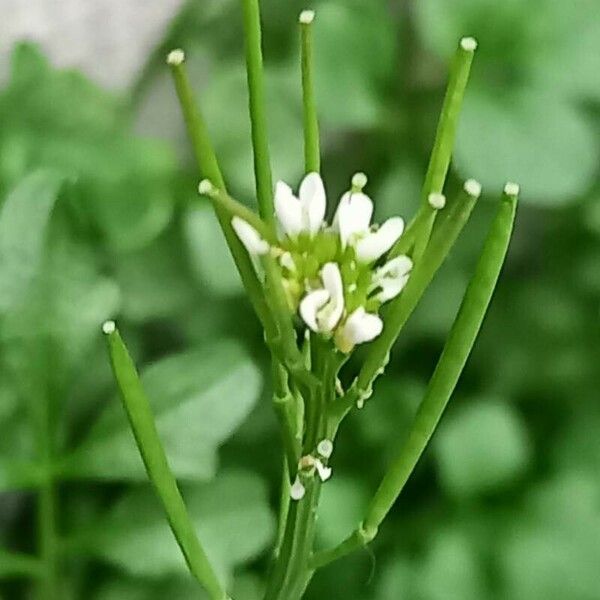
(353, 215)
(297, 490)
(361, 327)
(375, 244)
(310, 306)
(323, 471)
(391, 278)
(288, 209)
(249, 236)
(313, 201)
(329, 316)
(390, 288)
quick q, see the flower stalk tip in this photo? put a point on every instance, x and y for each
(176, 57)
(306, 17)
(206, 188)
(473, 188)
(437, 201)
(109, 327)
(469, 44)
(512, 189)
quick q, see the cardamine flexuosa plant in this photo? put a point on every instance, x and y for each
(321, 288)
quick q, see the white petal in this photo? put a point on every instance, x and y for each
(330, 315)
(249, 236)
(362, 327)
(287, 261)
(401, 265)
(390, 288)
(297, 490)
(313, 201)
(288, 209)
(310, 306)
(375, 244)
(323, 471)
(353, 215)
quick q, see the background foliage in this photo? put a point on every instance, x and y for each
(98, 218)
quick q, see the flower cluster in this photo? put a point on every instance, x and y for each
(335, 276)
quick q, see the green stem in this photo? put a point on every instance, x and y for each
(223, 201)
(400, 309)
(446, 130)
(312, 153)
(208, 166)
(292, 571)
(443, 145)
(443, 382)
(157, 466)
(258, 117)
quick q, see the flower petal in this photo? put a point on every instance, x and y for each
(314, 202)
(288, 209)
(397, 267)
(377, 243)
(353, 215)
(249, 236)
(390, 288)
(330, 314)
(310, 306)
(361, 327)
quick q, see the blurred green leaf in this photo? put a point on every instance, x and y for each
(544, 144)
(18, 565)
(342, 507)
(481, 448)
(232, 516)
(225, 105)
(553, 555)
(213, 388)
(209, 255)
(24, 218)
(354, 54)
(452, 569)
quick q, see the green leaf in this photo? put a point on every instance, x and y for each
(231, 514)
(553, 555)
(481, 448)
(18, 565)
(24, 219)
(341, 508)
(452, 570)
(225, 106)
(209, 255)
(197, 404)
(155, 282)
(354, 47)
(534, 139)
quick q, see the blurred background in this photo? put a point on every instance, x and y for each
(99, 218)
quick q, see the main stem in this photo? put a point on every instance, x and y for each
(292, 571)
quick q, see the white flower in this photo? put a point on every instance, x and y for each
(304, 213)
(391, 278)
(353, 222)
(353, 216)
(322, 309)
(377, 243)
(251, 239)
(360, 327)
